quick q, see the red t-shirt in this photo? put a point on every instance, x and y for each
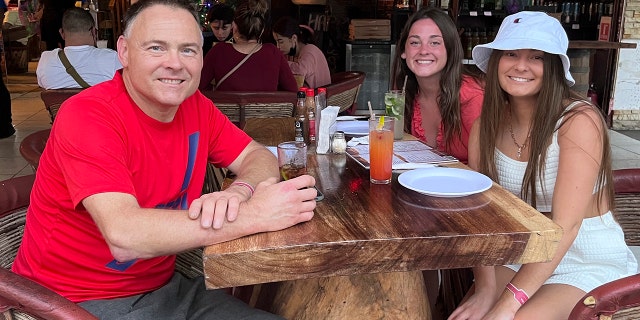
(102, 142)
(471, 95)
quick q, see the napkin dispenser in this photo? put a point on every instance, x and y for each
(326, 129)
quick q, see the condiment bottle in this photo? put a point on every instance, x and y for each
(300, 117)
(321, 103)
(339, 143)
(310, 105)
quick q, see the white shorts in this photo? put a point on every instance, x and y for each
(597, 256)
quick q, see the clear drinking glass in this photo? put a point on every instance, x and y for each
(394, 106)
(292, 159)
(380, 149)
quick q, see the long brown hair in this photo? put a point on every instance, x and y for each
(451, 76)
(549, 110)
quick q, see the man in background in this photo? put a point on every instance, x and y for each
(93, 65)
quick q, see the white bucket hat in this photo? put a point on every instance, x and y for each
(527, 30)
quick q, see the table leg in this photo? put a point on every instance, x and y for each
(395, 295)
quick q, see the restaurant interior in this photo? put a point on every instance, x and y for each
(356, 80)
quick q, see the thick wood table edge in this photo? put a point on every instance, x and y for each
(534, 238)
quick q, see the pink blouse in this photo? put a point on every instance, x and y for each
(471, 95)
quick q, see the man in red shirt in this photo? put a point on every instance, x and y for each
(117, 193)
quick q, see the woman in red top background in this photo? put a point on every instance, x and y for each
(267, 68)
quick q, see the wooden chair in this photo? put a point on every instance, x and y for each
(271, 131)
(239, 105)
(32, 146)
(343, 90)
(21, 298)
(55, 97)
(618, 299)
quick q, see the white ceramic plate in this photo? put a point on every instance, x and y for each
(353, 128)
(445, 182)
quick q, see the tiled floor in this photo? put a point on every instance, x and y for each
(29, 115)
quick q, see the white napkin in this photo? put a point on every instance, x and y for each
(327, 122)
(411, 166)
(358, 140)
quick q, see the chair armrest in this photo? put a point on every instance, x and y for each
(22, 294)
(15, 193)
(626, 180)
(609, 298)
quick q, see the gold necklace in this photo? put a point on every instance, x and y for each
(513, 137)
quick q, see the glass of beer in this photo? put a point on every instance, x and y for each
(292, 159)
(380, 148)
(394, 106)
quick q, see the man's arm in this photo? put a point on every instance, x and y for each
(254, 165)
(133, 232)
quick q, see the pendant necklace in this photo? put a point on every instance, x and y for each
(513, 137)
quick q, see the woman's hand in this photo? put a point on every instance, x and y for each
(475, 307)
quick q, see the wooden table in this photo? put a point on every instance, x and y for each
(360, 256)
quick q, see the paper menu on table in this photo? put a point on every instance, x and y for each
(405, 153)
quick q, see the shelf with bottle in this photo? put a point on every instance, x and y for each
(581, 19)
(473, 36)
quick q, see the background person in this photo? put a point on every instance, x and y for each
(305, 58)
(265, 70)
(219, 18)
(118, 190)
(6, 125)
(442, 102)
(51, 21)
(94, 65)
(548, 145)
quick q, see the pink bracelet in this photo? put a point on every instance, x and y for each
(246, 185)
(518, 294)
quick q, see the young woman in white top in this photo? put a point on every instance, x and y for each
(548, 145)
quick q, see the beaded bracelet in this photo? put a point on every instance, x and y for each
(246, 185)
(518, 294)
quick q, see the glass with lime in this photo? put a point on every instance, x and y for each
(394, 105)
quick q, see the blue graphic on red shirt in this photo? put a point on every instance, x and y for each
(179, 203)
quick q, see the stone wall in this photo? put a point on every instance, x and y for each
(626, 96)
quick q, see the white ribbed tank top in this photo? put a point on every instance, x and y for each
(511, 172)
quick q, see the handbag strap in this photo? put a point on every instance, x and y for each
(255, 49)
(71, 70)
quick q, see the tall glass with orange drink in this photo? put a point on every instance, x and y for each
(380, 149)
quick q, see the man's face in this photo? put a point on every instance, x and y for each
(162, 59)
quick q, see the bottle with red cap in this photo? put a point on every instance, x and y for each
(301, 116)
(310, 104)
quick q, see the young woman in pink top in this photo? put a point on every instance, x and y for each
(441, 101)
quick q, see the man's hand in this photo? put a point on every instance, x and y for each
(276, 205)
(214, 207)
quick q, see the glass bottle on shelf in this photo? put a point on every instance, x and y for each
(475, 39)
(464, 39)
(482, 36)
